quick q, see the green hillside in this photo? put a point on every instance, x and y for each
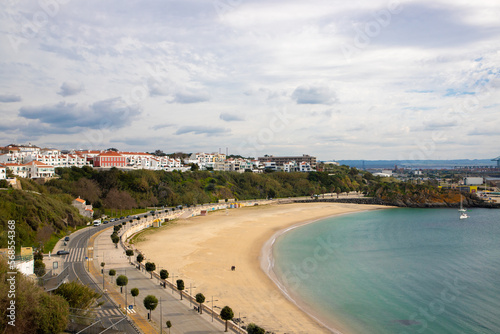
(38, 215)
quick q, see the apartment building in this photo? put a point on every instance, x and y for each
(286, 159)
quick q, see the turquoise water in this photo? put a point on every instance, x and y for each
(397, 270)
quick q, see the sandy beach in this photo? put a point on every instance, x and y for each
(201, 251)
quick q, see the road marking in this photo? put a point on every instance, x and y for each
(130, 311)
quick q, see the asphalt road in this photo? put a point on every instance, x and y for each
(76, 261)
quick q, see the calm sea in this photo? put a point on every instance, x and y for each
(397, 270)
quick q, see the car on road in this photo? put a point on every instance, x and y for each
(105, 222)
(62, 252)
(66, 239)
(122, 217)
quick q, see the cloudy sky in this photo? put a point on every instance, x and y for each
(361, 79)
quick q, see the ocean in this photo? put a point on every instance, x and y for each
(396, 271)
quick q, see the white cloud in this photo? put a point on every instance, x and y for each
(70, 88)
(183, 68)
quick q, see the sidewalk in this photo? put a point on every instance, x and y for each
(183, 317)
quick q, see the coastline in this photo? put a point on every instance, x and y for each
(201, 250)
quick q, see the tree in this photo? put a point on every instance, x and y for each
(112, 273)
(140, 258)
(150, 267)
(163, 274)
(169, 324)
(200, 298)
(116, 239)
(226, 314)
(121, 281)
(36, 311)
(129, 253)
(38, 255)
(180, 286)
(150, 303)
(254, 329)
(78, 296)
(39, 268)
(134, 292)
(51, 314)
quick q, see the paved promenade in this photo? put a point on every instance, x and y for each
(183, 317)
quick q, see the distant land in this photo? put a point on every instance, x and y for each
(417, 164)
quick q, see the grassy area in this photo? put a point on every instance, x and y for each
(54, 238)
(141, 236)
(51, 243)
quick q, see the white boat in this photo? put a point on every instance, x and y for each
(463, 215)
(461, 207)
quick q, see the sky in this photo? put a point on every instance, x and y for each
(360, 79)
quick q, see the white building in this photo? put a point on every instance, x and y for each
(32, 170)
(3, 172)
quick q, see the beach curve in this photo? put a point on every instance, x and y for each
(201, 251)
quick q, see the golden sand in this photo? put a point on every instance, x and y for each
(201, 251)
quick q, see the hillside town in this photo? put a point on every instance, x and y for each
(31, 161)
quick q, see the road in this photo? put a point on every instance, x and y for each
(109, 313)
(180, 313)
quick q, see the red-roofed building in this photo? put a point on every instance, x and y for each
(110, 159)
(84, 209)
(32, 170)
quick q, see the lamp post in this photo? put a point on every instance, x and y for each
(239, 320)
(161, 321)
(173, 282)
(213, 307)
(191, 293)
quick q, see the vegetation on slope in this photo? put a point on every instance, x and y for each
(38, 214)
(36, 311)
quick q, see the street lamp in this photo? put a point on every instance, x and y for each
(173, 282)
(239, 320)
(213, 307)
(191, 293)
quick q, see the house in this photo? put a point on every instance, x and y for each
(37, 169)
(24, 261)
(3, 172)
(84, 209)
(110, 159)
(20, 170)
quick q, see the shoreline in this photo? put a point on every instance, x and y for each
(201, 250)
(267, 265)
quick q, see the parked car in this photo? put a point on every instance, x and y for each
(122, 217)
(62, 252)
(66, 239)
(105, 222)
